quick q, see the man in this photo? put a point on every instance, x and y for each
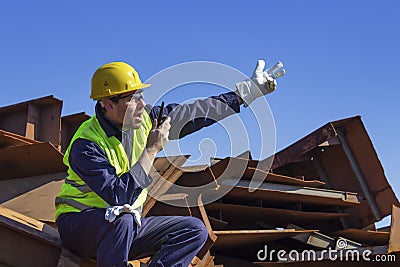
(99, 206)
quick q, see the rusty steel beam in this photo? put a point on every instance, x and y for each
(344, 157)
(69, 125)
(29, 242)
(33, 196)
(11, 139)
(38, 119)
(278, 217)
(301, 147)
(365, 237)
(288, 193)
(30, 160)
(248, 170)
(358, 174)
(235, 239)
(394, 240)
(165, 172)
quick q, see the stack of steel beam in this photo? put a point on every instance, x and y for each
(321, 194)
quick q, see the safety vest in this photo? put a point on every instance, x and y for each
(75, 195)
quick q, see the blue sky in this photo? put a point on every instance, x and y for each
(342, 57)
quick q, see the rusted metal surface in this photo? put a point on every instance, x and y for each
(295, 151)
(30, 160)
(38, 203)
(10, 139)
(288, 193)
(196, 168)
(69, 125)
(211, 235)
(29, 242)
(370, 166)
(277, 217)
(13, 188)
(236, 168)
(359, 171)
(241, 238)
(165, 173)
(339, 156)
(394, 241)
(197, 178)
(365, 237)
(21, 235)
(37, 119)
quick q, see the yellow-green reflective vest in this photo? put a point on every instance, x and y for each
(75, 195)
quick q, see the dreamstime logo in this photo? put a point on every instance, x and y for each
(253, 127)
(341, 243)
(341, 253)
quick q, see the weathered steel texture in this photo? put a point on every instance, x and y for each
(25, 241)
(322, 174)
(359, 171)
(11, 139)
(197, 178)
(211, 236)
(69, 125)
(235, 239)
(314, 239)
(241, 215)
(301, 147)
(14, 188)
(365, 237)
(207, 261)
(394, 241)
(288, 193)
(235, 168)
(30, 160)
(340, 154)
(38, 119)
(217, 224)
(29, 242)
(165, 172)
(369, 164)
(358, 174)
(38, 202)
(196, 168)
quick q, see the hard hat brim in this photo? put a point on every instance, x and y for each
(145, 85)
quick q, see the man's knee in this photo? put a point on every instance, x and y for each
(199, 230)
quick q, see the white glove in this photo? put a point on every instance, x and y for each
(261, 82)
(113, 211)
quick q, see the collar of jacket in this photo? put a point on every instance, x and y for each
(109, 128)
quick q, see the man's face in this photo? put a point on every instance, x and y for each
(129, 110)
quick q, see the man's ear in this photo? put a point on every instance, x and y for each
(108, 104)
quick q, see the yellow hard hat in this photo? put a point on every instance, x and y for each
(113, 79)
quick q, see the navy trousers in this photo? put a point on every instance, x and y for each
(171, 240)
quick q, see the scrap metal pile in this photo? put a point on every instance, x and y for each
(322, 193)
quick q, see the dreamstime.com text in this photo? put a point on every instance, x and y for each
(327, 254)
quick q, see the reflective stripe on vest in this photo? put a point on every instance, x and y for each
(82, 188)
(72, 202)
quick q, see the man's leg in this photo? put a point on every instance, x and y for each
(174, 239)
(90, 235)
